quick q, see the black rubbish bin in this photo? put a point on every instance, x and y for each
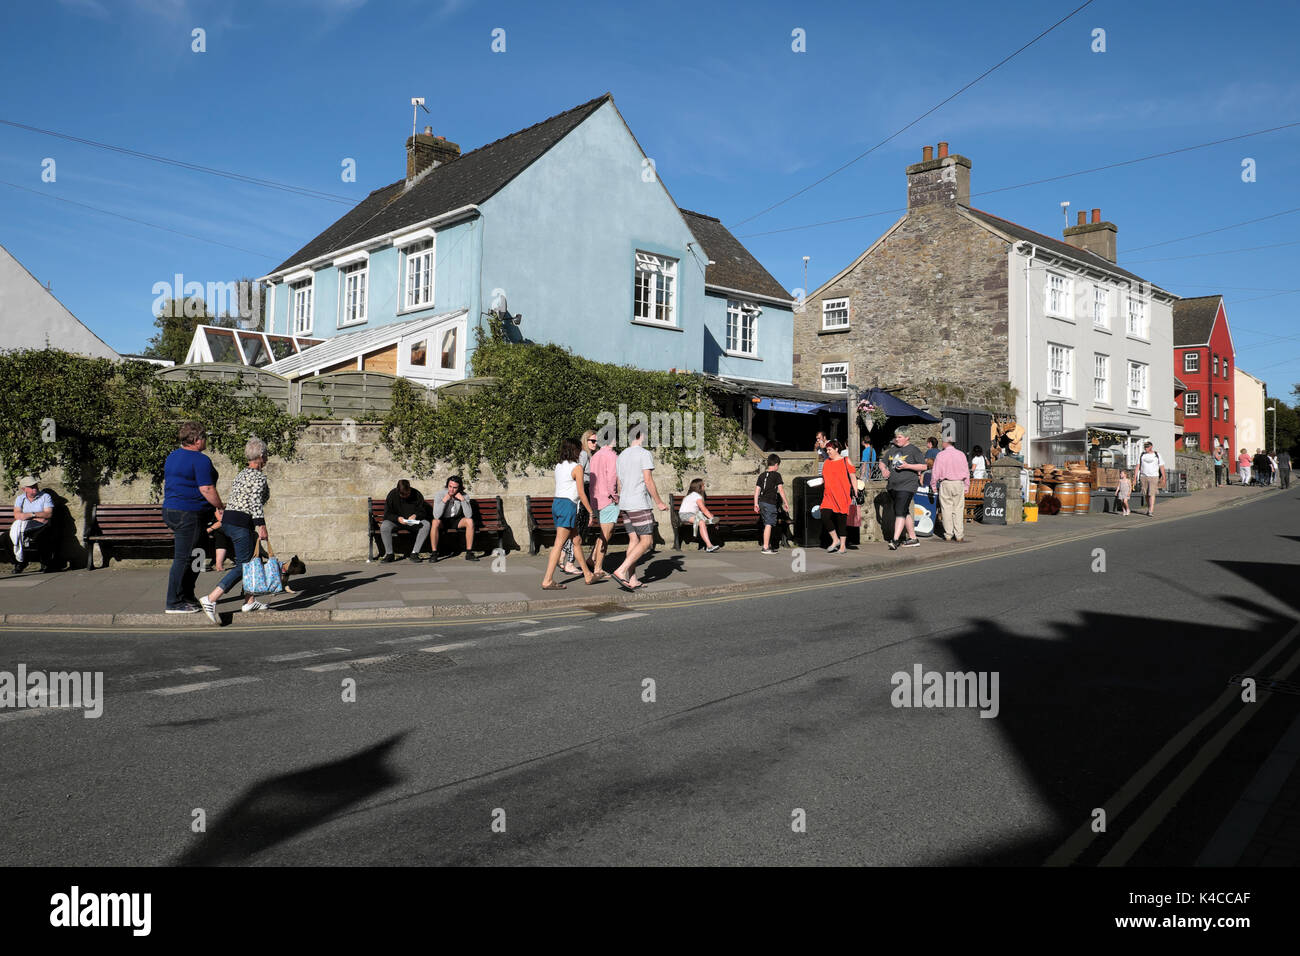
(807, 529)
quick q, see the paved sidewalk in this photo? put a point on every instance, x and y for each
(127, 596)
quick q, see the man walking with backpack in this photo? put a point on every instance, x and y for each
(1150, 471)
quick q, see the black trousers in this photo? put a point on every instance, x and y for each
(834, 521)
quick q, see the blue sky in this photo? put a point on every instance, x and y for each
(734, 119)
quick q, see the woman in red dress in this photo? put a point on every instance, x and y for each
(837, 495)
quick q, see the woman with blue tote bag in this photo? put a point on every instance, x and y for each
(245, 524)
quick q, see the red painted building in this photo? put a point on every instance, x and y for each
(1204, 359)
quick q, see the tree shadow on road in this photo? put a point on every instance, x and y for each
(278, 808)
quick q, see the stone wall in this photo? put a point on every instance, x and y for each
(928, 304)
(318, 500)
(1199, 468)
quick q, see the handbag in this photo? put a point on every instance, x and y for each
(262, 575)
(854, 519)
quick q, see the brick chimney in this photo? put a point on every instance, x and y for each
(942, 179)
(1096, 237)
(424, 151)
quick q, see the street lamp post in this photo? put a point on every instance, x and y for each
(1274, 411)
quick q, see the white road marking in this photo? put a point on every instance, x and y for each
(448, 647)
(412, 640)
(196, 669)
(506, 625)
(303, 655)
(343, 665)
(548, 630)
(206, 685)
(622, 617)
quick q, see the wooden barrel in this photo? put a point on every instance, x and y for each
(1068, 492)
(1033, 496)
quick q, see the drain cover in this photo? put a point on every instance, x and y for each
(407, 663)
(1269, 684)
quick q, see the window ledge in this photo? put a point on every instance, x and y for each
(1101, 328)
(1060, 318)
(658, 325)
(415, 308)
(742, 355)
(1109, 408)
(1139, 411)
(350, 325)
(835, 331)
(1137, 338)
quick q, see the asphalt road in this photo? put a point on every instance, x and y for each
(535, 741)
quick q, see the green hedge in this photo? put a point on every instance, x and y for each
(97, 420)
(543, 394)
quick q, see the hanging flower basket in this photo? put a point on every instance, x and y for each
(871, 414)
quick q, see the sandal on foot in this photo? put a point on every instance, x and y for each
(623, 583)
(554, 587)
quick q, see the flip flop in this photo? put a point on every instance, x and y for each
(554, 587)
(623, 584)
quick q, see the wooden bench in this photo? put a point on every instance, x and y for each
(541, 522)
(489, 518)
(733, 512)
(973, 508)
(124, 524)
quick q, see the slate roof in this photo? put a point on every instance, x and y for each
(472, 178)
(1194, 319)
(1052, 245)
(733, 266)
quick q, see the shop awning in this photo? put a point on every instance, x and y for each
(895, 407)
(799, 406)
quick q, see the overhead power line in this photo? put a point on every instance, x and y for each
(1221, 252)
(1052, 179)
(941, 103)
(142, 222)
(183, 164)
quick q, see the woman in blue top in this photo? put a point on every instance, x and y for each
(189, 489)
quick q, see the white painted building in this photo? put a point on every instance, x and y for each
(32, 318)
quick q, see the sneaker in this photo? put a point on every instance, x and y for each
(19, 567)
(389, 558)
(183, 609)
(911, 543)
(893, 545)
(767, 551)
(716, 547)
(255, 606)
(471, 556)
(210, 609)
(417, 559)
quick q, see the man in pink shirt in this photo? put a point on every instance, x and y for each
(951, 476)
(604, 483)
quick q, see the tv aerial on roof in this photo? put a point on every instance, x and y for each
(417, 104)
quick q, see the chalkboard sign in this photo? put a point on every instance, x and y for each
(995, 503)
(1051, 419)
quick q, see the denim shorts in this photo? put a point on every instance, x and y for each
(769, 513)
(565, 513)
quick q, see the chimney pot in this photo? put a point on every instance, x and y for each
(428, 131)
(943, 150)
(1096, 215)
(1083, 218)
(927, 153)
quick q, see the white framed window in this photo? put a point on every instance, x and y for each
(1191, 361)
(835, 314)
(1137, 317)
(1216, 404)
(1192, 403)
(1225, 408)
(1191, 441)
(835, 377)
(1101, 307)
(742, 327)
(1101, 379)
(1059, 288)
(352, 293)
(1216, 364)
(301, 312)
(1225, 366)
(418, 259)
(1060, 369)
(655, 293)
(1137, 385)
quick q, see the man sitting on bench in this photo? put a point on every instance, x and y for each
(405, 506)
(452, 511)
(33, 510)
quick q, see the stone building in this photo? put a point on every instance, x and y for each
(954, 295)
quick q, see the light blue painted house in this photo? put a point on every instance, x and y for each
(568, 225)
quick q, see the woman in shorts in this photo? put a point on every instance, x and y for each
(570, 488)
